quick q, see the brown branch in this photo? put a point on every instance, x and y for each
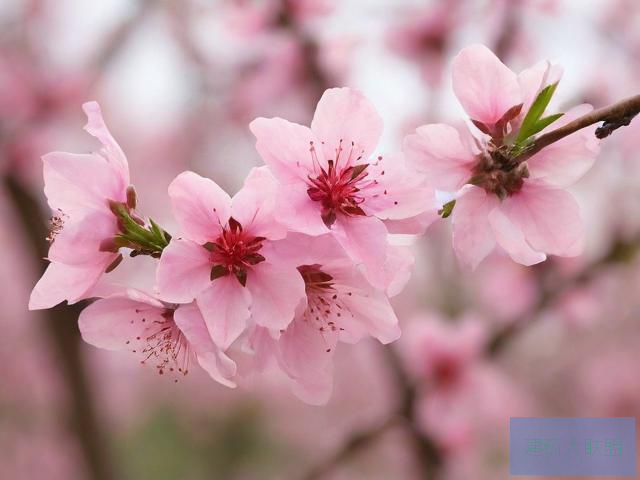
(614, 116)
(62, 328)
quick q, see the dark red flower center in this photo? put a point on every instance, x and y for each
(234, 252)
(337, 188)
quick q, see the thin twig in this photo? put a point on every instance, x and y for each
(614, 116)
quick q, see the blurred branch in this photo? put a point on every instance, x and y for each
(61, 324)
(620, 252)
(614, 116)
(427, 453)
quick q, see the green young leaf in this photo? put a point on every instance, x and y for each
(539, 105)
(447, 209)
(545, 122)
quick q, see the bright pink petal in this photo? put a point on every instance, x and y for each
(218, 365)
(512, 239)
(472, 235)
(225, 309)
(308, 359)
(298, 212)
(346, 114)
(62, 282)
(115, 322)
(96, 127)
(276, 292)
(548, 217)
(364, 239)
(78, 184)
(183, 272)
(200, 206)
(485, 87)
(438, 151)
(285, 148)
(254, 206)
(564, 162)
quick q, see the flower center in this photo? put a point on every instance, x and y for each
(338, 188)
(162, 343)
(325, 306)
(234, 252)
(496, 172)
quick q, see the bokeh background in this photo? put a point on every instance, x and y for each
(178, 81)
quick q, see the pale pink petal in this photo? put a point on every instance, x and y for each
(346, 114)
(183, 272)
(115, 322)
(77, 184)
(398, 266)
(564, 162)
(548, 217)
(364, 239)
(308, 359)
(485, 87)
(512, 239)
(438, 151)
(415, 225)
(285, 148)
(225, 309)
(254, 206)
(298, 212)
(375, 313)
(65, 282)
(79, 242)
(472, 235)
(96, 127)
(200, 206)
(218, 365)
(276, 292)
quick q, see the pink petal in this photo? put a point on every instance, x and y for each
(472, 235)
(415, 225)
(298, 212)
(79, 184)
(200, 206)
(512, 240)
(364, 239)
(284, 147)
(115, 322)
(62, 282)
(534, 79)
(564, 162)
(218, 365)
(276, 291)
(254, 206)
(183, 272)
(79, 242)
(548, 217)
(346, 114)
(485, 87)
(398, 266)
(373, 310)
(308, 359)
(438, 151)
(225, 309)
(96, 127)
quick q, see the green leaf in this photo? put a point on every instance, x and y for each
(546, 121)
(447, 209)
(539, 105)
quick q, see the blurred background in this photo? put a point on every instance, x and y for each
(178, 82)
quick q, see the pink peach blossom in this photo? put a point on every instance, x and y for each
(79, 188)
(222, 260)
(329, 185)
(340, 306)
(521, 206)
(167, 336)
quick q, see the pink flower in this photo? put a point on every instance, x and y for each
(521, 206)
(167, 336)
(223, 260)
(340, 306)
(328, 184)
(80, 187)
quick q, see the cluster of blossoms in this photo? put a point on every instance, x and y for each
(302, 257)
